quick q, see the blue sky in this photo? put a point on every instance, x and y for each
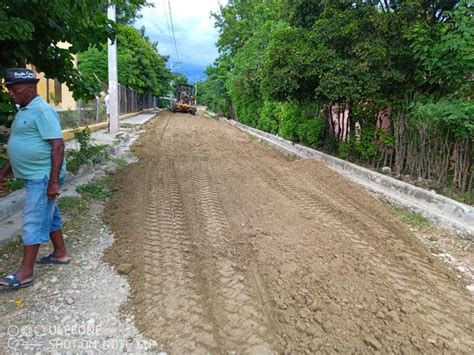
(194, 31)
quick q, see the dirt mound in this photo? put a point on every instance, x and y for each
(235, 247)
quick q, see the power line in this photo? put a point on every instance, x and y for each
(172, 29)
(165, 9)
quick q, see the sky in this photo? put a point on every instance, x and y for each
(194, 31)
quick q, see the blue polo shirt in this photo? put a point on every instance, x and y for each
(29, 151)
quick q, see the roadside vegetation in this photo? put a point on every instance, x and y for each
(96, 190)
(88, 153)
(413, 219)
(379, 83)
(121, 163)
(142, 68)
(73, 205)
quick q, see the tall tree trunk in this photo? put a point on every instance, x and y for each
(467, 165)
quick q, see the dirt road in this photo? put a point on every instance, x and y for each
(237, 248)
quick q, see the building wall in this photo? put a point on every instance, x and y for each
(55, 93)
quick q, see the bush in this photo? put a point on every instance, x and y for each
(366, 148)
(289, 129)
(343, 150)
(248, 112)
(289, 116)
(15, 184)
(87, 152)
(269, 117)
(299, 123)
(310, 131)
(97, 190)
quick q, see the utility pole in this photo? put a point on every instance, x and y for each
(173, 65)
(195, 93)
(113, 78)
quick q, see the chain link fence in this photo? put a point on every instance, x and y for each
(95, 111)
(131, 101)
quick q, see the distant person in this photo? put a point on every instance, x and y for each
(107, 108)
(35, 155)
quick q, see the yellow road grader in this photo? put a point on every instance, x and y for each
(185, 101)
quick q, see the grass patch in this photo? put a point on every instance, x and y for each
(15, 184)
(11, 185)
(12, 244)
(467, 197)
(413, 219)
(120, 163)
(291, 157)
(254, 138)
(97, 190)
(9, 252)
(76, 158)
(73, 205)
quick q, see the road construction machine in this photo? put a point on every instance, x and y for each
(185, 101)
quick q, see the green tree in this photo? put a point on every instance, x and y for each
(140, 65)
(212, 91)
(30, 33)
(238, 20)
(286, 65)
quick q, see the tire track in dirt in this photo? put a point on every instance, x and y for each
(248, 252)
(443, 323)
(396, 238)
(244, 321)
(174, 311)
(175, 308)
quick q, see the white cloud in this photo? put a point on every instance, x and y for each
(194, 31)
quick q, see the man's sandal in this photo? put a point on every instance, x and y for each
(48, 260)
(14, 283)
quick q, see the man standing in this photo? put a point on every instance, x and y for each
(107, 109)
(36, 155)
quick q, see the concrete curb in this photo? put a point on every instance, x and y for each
(68, 134)
(11, 204)
(442, 210)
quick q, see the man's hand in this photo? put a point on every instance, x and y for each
(53, 190)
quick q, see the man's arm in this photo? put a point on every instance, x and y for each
(57, 158)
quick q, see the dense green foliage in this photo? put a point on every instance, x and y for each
(303, 68)
(142, 68)
(31, 31)
(212, 92)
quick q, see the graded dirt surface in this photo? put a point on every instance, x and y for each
(236, 248)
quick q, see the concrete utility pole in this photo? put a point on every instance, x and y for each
(113, 78)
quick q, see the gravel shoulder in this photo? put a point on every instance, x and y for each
(72, 308)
